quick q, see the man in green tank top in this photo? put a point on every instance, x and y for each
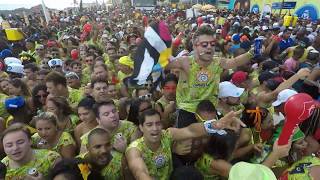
(150, 157)
(200, 74)
(23, 162)
(101, 158)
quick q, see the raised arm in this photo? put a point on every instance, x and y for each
(178, 63)
(267, 97)
(137, 165)
(237, 61)
(277, 153)
(229, 121)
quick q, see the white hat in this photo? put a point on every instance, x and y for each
(275, 26)
(249, 171)
(10, 60)
(105, 36)
(264, 28)
(283, 96)
(309, 29)
(193, 25)
(312, 50)
(227, 89)
(55, 62)
(15, 68)
(218, 31)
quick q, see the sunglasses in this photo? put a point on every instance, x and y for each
(170, 88)
(147, 96)
(147, 85)
(205, 44)
(55, 67)
(42, 96)
(39, 49)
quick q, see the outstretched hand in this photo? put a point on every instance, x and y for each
(230, 121)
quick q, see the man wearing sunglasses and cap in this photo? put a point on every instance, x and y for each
(200, 75)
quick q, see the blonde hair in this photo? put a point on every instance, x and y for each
(47, 116)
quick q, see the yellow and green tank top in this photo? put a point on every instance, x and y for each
(204, 165)
(3, 112)
(110, 65)
(113, 170)
(303, 57)
(159, 163)
(163, 103)
(75, 96)
(43, 162)
(200, 84)
(300, 170)
(110, 172)
(126, 129)
(64, 140)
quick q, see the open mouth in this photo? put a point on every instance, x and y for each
(154, 135)
(16, 154)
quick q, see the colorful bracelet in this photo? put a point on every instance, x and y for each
(251, 55)
(211, 130)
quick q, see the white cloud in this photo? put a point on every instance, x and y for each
(54, 4)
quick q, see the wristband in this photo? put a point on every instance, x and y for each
(210, 130)
(250, 53)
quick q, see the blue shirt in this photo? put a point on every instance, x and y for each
(284, 44)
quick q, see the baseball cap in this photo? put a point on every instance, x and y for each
(10, 60)
(55, 62)
(72, 74)
(283, 96)
(239, 77)
(244, 170)
(265, 28)
(218, 31)
(275, 26)
(14, 102)
(5, 53)
(235, 37)
(15, 68)
(227, 89)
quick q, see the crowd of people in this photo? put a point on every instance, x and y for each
(68, 112)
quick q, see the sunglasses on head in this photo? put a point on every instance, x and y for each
(147, 96)
(205, 44)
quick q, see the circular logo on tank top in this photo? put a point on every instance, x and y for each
(203, 76)
(160, 161)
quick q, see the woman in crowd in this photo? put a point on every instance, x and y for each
(59, 106)
(39, 97)
(49, 136)
(87, 118)
(19, 88)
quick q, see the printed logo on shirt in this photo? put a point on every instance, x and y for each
(160, 161)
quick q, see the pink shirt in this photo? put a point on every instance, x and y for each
(291, 64)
